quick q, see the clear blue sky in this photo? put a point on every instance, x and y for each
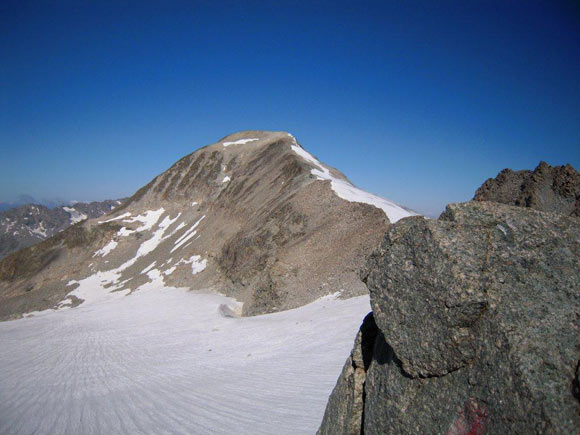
(418, 101)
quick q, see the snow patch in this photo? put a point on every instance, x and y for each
(170, 270)
(105, 250)
(103, 285)
(98, 287)
(75, 215)
(124, 215)
(148, 268)
(148, 219)
(239, 142)
(197, 264)
(123, 232)
(9, 224)
(180, 226)
(226, 179)
(39, 230)
(151, 244)
(186, 236)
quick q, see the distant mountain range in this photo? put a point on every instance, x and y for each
(24, 199)
(26, 225)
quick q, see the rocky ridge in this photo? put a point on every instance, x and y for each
(546, 188)
(29, 224)
(477, 325)
(253, 216)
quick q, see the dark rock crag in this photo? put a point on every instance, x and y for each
(546, 188)
(477, 327)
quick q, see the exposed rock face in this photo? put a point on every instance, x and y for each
(27, 225)
(478, 317)
(546, 188)
(253, 216)
(344, 413)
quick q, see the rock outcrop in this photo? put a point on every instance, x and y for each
(477, 327)
(252, 216)
(546, 188)
(345, 410)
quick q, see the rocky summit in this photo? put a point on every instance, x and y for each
(475, 325)
(546, 188)
(254, 216)
(29, 224)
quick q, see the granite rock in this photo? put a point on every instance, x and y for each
(478, 317)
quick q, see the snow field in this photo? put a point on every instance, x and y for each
(164, 360)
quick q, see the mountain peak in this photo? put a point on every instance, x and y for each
(253, 215)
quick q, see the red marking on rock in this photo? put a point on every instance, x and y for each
(471, 420)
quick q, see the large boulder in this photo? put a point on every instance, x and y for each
(478, 325)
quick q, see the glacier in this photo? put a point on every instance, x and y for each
(168, 360)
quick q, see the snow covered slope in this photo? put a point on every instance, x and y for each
(166, 360)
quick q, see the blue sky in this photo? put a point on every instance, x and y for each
(418, 101)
